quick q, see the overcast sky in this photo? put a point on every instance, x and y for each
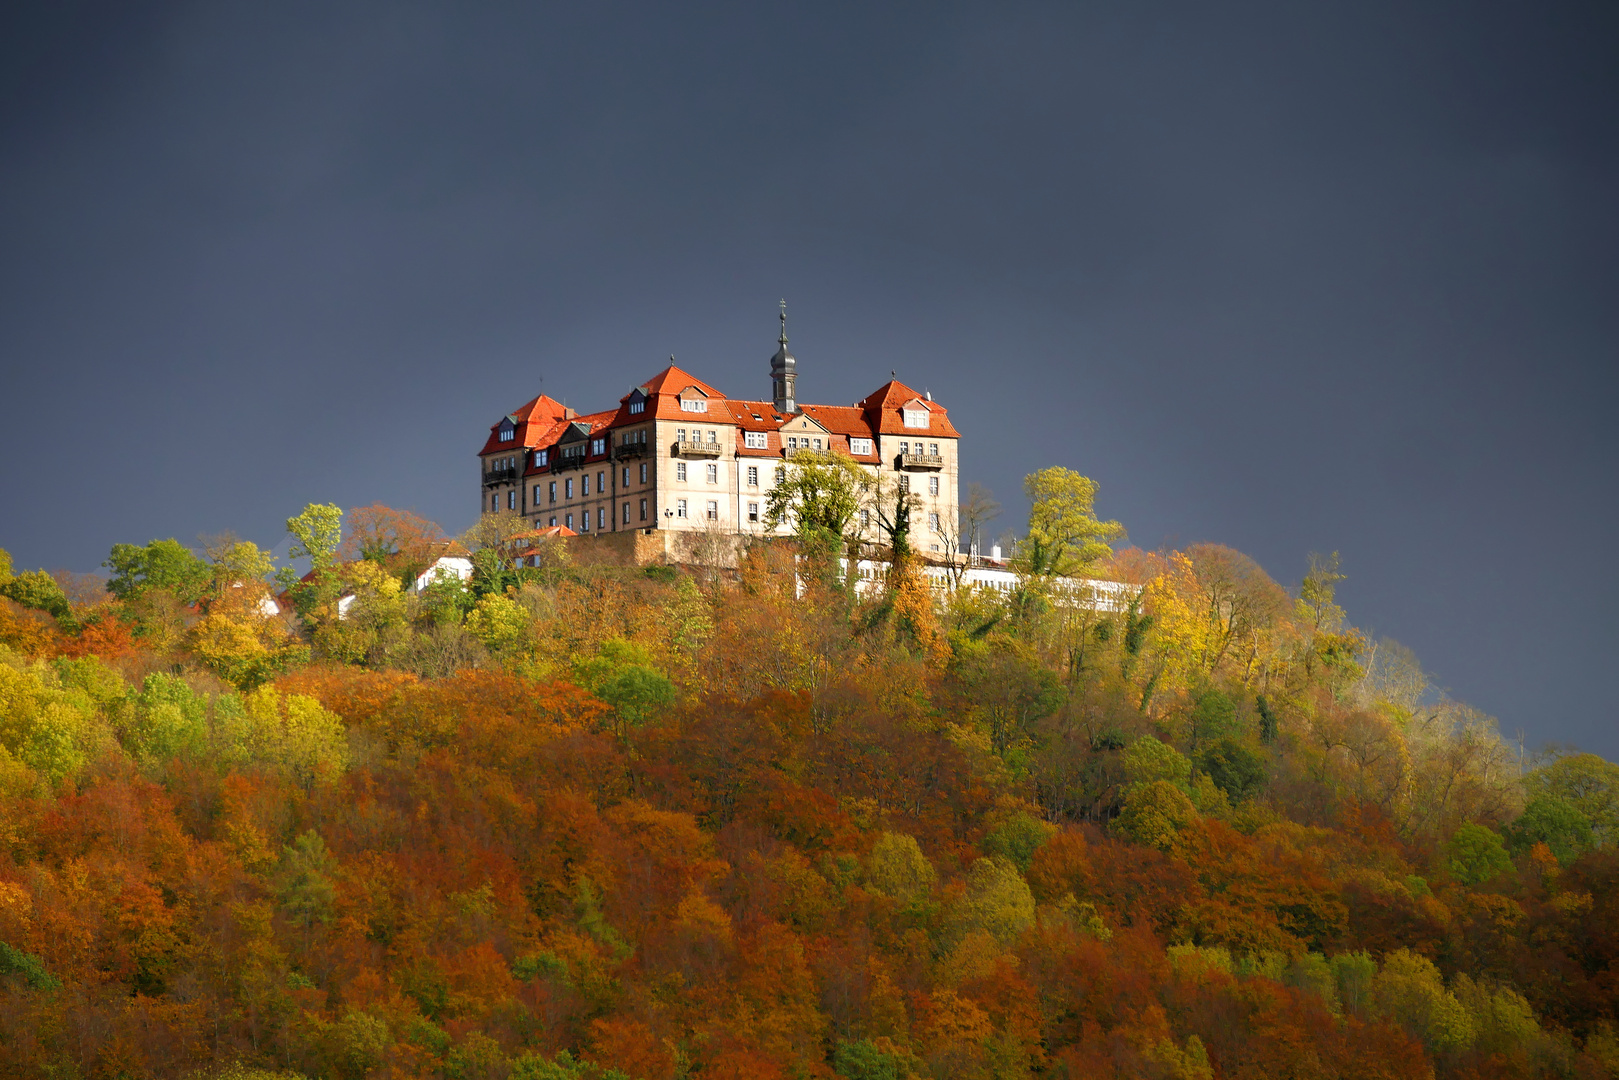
(1291, 277)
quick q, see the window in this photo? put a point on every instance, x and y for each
(865, 519)
(598, 446)
(536, 494)
(817, 444)
(756, 440)
(643, 472)
(626, 476)
(601, 482)
(638, 406)
(916, 418)
(680, 508)
(713, 474)
(680, 470)
(753, 511)
(753, 476)
(541, 457)
(494, 502)
(584, 521)
(553, 519)
(859, 446)
(553, 494)
(713, 510)
(933, 522)
(792, 442)
(713, 436)
(933, 485)
(905, 482)
(643, 509)
(693, 405)
(601, 517)
(567, 488)
(781, 474)
(680, 434)
(626, 513)
(584, 484)
(933, 448)
(905, 448)
(570, 521)
(507, 433)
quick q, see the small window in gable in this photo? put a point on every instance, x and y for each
(916, 418)
(693, 405)
(507, 432)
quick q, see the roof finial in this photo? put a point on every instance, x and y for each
(783, 339)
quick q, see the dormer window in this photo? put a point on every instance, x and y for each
(507, 432)
(756, 440)
(693, 405)
(637, 406)
(598, 446)
(541, 457)
(916, 418)
(859, 446)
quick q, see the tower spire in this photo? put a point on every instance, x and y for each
(784, 372)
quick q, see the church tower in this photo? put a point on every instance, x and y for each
(784, 372)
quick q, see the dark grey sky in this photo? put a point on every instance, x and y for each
(1292, 277)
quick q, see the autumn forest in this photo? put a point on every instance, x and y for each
(739, 818)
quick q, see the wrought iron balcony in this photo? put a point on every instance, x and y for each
(625, 451)
(501, 476)
(697, 449)
(921, 461)
(563, 464)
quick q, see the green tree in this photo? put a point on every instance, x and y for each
(1554, 821)
(1154, 814)
(820, 496)
(1235, 769)
(998, 900)
(1016, 839)
(308, 891)
(1065, 537)
(38, 590)
(1475, 854)
(1589, 783)
(1409, 991)
(161, 564)
(896, 867)
(316, 532)
(1147, 760)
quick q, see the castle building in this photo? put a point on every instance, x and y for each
(679, 455)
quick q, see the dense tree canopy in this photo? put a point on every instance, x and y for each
(589, 821)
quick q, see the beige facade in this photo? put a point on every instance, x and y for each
(677, 455)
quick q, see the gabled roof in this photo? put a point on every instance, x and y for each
(672, 380)
(532, 422)
(884, 408)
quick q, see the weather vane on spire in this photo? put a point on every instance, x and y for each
(784, 321)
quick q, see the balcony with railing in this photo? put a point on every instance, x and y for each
(626, 451)
(697, 449)
(503, 475)
(921, 461)
(562, 463)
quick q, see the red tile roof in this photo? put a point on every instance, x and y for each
(532, 420)
(884, 409)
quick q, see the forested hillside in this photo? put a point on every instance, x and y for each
(572, 820)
